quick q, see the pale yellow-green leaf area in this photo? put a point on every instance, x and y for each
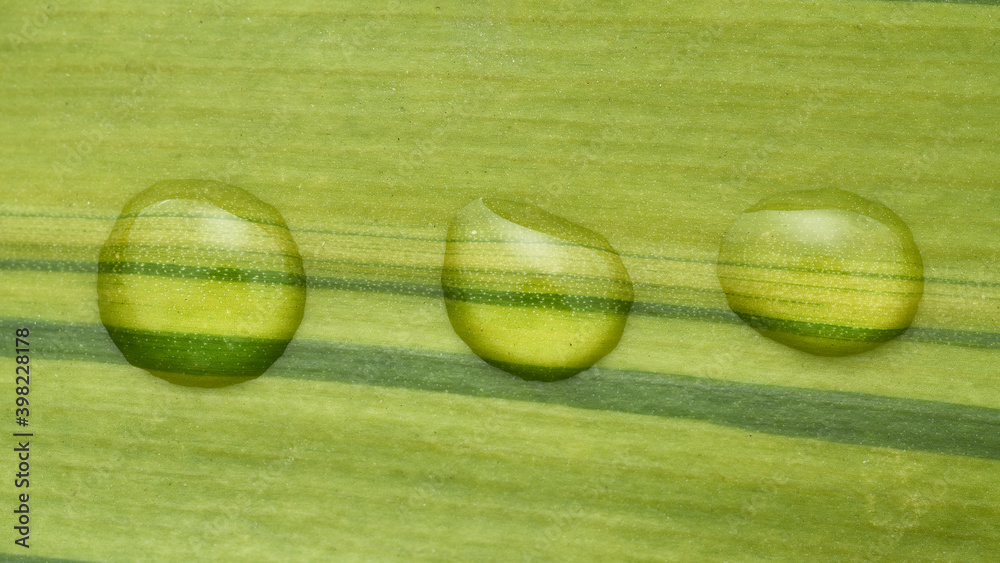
(379, 434)
(236, 474)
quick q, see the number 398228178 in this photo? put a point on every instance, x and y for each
(22, 375)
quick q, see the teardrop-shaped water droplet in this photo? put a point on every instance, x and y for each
(532, 293)
(200, 283)
(824, 271)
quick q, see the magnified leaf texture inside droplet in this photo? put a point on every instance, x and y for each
(824, 271)
(532, 293)
(200, 283)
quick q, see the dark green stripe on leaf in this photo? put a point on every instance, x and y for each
(834, 416)
(197, 354)
(941, 336)
(536, 373)
(202, 273)
(556, 301)
(68, 266)
(820, 330)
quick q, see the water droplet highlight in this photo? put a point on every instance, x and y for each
(200, 283)
(824, 271)
(532, 293)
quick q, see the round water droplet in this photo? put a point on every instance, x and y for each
(824, 271)
(532, 293)
(200, 283)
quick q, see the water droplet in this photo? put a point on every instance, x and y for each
(200, 283)
(532, 293)
(824, 271)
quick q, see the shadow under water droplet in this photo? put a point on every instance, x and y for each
(531, 293)
(200, 283)
(824, 271)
